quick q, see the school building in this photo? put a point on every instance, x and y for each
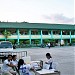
(31, 33)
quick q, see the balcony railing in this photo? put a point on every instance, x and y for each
(38, 37)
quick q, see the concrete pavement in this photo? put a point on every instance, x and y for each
(64, 56)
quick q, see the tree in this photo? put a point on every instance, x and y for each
(27, 41)
(46, 41)
(6, 34)
(37, 42)
(12, 41)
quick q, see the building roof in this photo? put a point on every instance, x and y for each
(36, 25)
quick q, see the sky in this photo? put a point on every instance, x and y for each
(37, 11)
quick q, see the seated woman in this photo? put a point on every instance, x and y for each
(24, 69)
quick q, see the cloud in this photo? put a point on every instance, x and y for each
(59, 18)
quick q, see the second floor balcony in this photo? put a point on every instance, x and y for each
(38, 37)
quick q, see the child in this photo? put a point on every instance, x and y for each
(7, 66)
(49, 61)
(14, 62)
(23, 68)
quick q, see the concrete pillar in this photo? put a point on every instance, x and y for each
(30, 36)
(61, 38)
(61, 35)
(70, 36)
(18, 36)
(5, 36)
(41, 37)
(51, 34)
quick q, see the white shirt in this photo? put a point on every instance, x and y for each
(5, 67)
(48, 44)
(46, 66)
(14, 62)
(24, 69)
(49, 60)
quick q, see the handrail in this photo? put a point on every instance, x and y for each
(19, 54)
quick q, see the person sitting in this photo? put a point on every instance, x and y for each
(15, 62)
(7, 66)
(24, 69)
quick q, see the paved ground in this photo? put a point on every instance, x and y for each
(64, 56)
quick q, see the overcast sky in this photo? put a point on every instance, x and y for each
(37, 11)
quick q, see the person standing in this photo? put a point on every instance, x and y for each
(48, 63)
(49, 45)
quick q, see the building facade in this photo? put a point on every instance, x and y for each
(32, 33)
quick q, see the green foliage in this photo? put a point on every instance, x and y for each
(52, 40)
(6, 34)
(37, 41)
(27, 41)
(21, 42)
(12, 41)
(73, 40)
(46, 40)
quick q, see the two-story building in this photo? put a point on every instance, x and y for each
(22, 31)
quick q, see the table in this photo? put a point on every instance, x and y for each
(47, 72)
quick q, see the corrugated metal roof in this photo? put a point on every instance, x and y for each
(36, 25)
